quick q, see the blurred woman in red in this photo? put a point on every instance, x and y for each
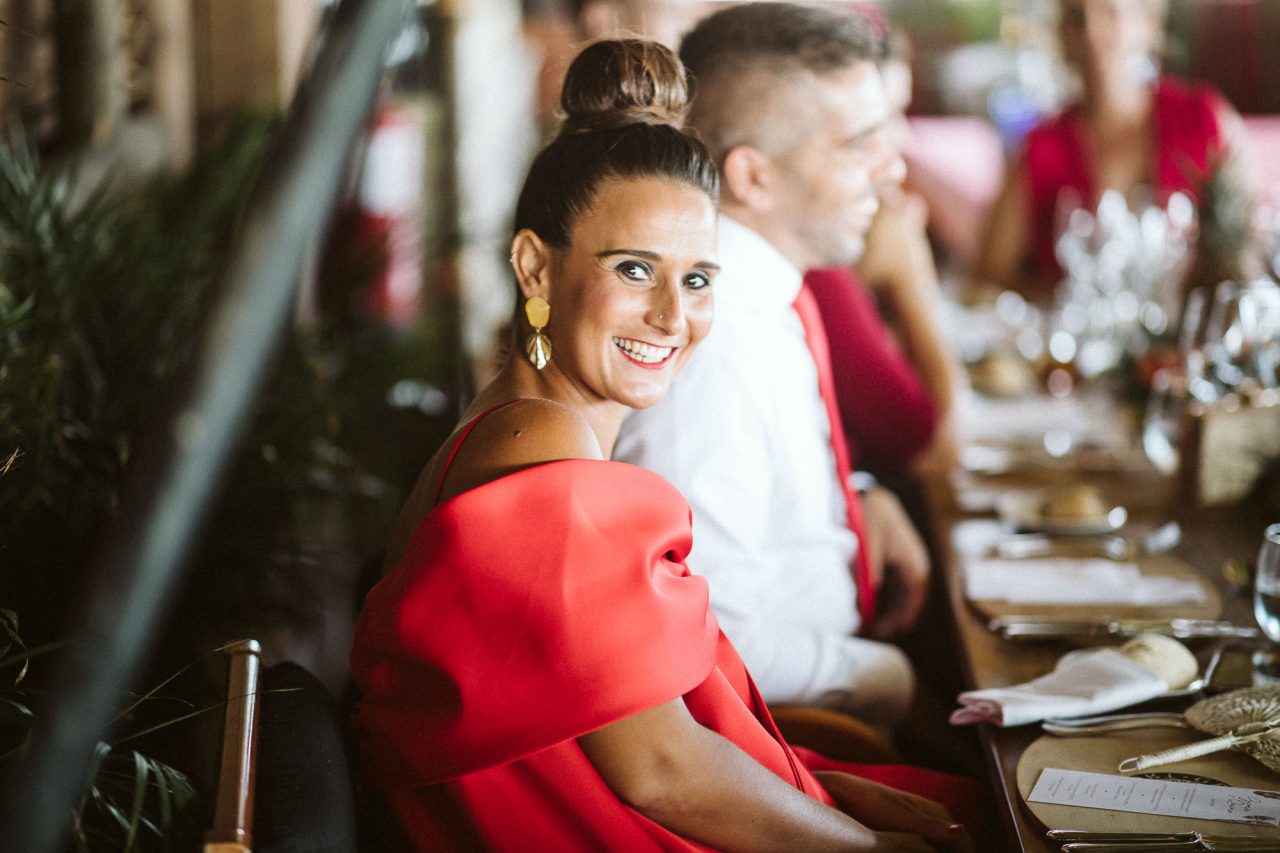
(1131, 127)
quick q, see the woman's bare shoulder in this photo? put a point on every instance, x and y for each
(520, 435)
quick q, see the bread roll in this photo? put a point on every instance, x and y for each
(1073, 503)
(1001, 375)
(1164, 656)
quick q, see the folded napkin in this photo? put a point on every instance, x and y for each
(1092, 681)
(1065, 580)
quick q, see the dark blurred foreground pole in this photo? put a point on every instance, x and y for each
(179, 466)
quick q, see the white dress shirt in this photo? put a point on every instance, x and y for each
(743, 433)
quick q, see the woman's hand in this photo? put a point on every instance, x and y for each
(898, 263)
(890, 811)
(899, 563)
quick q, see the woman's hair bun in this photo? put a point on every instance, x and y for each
(620, 82)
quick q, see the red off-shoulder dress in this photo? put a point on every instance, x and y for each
(527, 612)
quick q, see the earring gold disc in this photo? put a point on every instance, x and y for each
(538, 311)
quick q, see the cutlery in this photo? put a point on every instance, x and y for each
(1113, 723)
(1080, 841)
(1126, 846)
(1099, 836)
(1163, 538)
(1034, 628)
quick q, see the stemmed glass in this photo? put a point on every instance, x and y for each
(1266, 605)
(1266, 599)
(1162, 420)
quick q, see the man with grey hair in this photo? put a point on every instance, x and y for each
(789, 100)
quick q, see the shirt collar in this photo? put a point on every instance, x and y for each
(760, 274)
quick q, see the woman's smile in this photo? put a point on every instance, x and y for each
(646, 355)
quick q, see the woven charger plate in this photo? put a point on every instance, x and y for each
(1103, 754)
(1162, 564)
(1228, 713)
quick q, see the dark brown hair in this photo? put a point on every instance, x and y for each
(748, 66)
(816, 38)
(624, 103)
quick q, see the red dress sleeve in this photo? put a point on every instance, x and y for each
(1055, 161)
(527, 612)
(1189, 137)
(888, 415)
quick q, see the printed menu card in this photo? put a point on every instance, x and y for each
(1157, 797)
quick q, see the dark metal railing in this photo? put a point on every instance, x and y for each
(179, 467)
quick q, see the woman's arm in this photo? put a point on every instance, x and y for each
(697, 784)
(1006, 241)
(898, 266)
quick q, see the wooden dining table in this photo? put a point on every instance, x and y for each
(960, 508)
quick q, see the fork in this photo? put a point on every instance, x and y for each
(1114, 723)
(1116, 547)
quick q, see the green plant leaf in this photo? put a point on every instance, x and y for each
(25, 655)
(13, 713)
(141, 780)
(154, 690)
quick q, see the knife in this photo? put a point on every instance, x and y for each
(1035, 628)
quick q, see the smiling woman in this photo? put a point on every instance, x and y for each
(539, 669)
(631, 292)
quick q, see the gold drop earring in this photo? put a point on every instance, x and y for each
(538, 347)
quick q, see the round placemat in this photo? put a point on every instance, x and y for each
(1160, 565)
(1103, 754)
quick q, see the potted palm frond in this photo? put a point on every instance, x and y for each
(131, 801)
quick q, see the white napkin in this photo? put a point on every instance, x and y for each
(997, 420)
(1092, 681)
(1065, 580)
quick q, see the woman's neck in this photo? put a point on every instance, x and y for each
(1118, 102)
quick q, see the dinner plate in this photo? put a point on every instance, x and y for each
(1021, 510)
(1103, 754)
(1012, 457)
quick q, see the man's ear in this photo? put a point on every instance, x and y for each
(531, 260)
(751, 178)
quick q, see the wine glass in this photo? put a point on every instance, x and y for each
(1162, 420)
(1266, 605)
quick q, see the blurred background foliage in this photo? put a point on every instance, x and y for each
(103, 285)
(101, 296)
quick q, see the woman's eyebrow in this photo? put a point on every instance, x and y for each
(654, 256)
(639, 253)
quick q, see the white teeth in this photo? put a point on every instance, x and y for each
(643, 353)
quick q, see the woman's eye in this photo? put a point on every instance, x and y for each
(633, 270)
(697, 281)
